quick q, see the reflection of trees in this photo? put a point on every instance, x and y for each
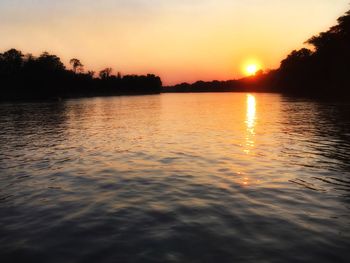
(322, 125)
(334, 126)
(317, 139)
(25, 128)
(32, 118)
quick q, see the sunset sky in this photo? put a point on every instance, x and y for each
(180, 40)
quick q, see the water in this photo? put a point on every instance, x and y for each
(227, 177)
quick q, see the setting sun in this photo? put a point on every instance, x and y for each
(251, 66)
(251, 69)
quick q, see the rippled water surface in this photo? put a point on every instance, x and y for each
(230, 177)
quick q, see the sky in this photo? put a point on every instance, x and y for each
(179, 40)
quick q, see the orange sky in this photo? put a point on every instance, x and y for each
(180, 40)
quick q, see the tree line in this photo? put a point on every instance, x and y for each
(24, 76)
(321, 70)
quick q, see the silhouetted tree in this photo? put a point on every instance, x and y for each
(91, 73)
(12, 61)
(105, 73)
(77, 65)
(324, 70)
(49, 62)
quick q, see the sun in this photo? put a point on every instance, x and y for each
(251, 69)
(251, 66)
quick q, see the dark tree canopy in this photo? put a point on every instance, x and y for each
(325, 70)
(322, 70)
(11, 61)
(46, 77)
(77, 65)
(105, 73)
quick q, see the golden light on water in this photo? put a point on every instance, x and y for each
(251, 111)
(250, 122)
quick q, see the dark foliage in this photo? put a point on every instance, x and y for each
(45, 77)
(260, 82)
(322, 70)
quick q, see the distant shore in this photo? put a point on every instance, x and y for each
(25, 77)
(322, 71)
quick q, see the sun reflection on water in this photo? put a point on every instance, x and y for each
(250, 123)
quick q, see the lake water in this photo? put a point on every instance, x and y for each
(228, 177)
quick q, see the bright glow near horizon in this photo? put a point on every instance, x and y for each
(251, 123)
(178, 40)
(252, 69)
